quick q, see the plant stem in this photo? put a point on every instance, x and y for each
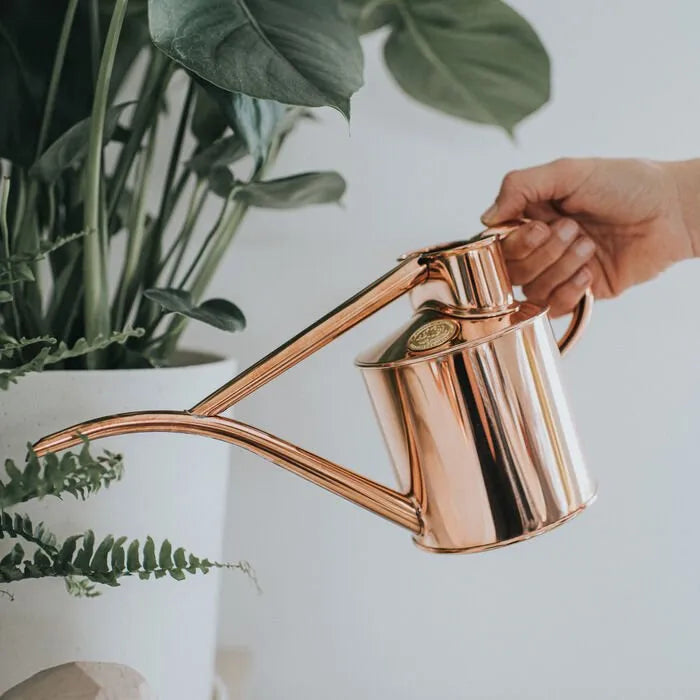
(56, 75)
(225, 232)
(6, 248)
(97, 320)
(95, 38)
(20, 205)
(158, 229)
(216, 232)
(151, 92)
(133, 262)
(199, 195)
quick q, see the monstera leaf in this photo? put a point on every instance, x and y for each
(478, 60)
(299, 52)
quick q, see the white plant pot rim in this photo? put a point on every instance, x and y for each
(186, 359)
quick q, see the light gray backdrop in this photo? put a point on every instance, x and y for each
(606, 607)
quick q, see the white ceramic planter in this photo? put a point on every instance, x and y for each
(174, 487)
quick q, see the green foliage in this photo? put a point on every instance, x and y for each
(298, 52)
(57, 351)
(79, 475)
(80, 559)
(292, 192)
(219, 313)
(70, 149)
(478, 60)
(252, 67)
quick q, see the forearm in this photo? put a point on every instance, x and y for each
(685, 175)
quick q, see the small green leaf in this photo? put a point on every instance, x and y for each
(255, 120)
(165, 559)
(149, 555)
(118, 555)
(5, 296)
(180, 558)
(221, 153)
(69, 149)
(221, 181)
(84, 556)
(295, 191)
(177, 574)
(65, 554)
(99, 561)
(133, 561)
(219, 313)
(208, 122)
(41, 560)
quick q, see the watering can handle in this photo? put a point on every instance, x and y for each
(582, 311)
(579, 320)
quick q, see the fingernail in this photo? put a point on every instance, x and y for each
(489, 216)
(567, 231)
(537, 234)
(582, 277)
(584, 247)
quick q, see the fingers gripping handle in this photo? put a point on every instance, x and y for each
(582, 311)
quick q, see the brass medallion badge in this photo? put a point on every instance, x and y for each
(432, 335)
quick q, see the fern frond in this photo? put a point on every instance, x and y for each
(51, 355)
(83, 562)
(80, 475)
(15, 260)
(81, 587)
(21, 526)
(10, 346)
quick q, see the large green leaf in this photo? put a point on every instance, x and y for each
(70, 148)
(368, 15)
(295, 191)
(219, 313)
(478, 60)
(300, 52)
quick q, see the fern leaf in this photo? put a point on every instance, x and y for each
(99, 561)
(149, 555)
(10, 346)
(81, 587)
(80, 475)
(133, 561)
(165, 559)
(9, 264)
(107, 564)
(49, 355)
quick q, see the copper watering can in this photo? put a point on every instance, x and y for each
(467, 394)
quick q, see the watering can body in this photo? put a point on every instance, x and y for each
(468, 396)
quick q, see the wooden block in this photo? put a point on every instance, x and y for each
(83, 680)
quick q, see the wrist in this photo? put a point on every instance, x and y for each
(685, 176)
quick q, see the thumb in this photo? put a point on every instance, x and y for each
(543, 183)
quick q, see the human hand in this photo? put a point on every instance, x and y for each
(606, 224)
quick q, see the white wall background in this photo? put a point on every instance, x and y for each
(606, 607)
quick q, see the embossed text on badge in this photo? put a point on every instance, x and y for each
(432, 335)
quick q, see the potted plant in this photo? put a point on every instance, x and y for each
(104, 260)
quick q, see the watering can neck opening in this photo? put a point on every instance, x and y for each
(467, 279)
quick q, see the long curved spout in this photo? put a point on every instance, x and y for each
(397, 507)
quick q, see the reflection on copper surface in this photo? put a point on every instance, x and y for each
(467, 393)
